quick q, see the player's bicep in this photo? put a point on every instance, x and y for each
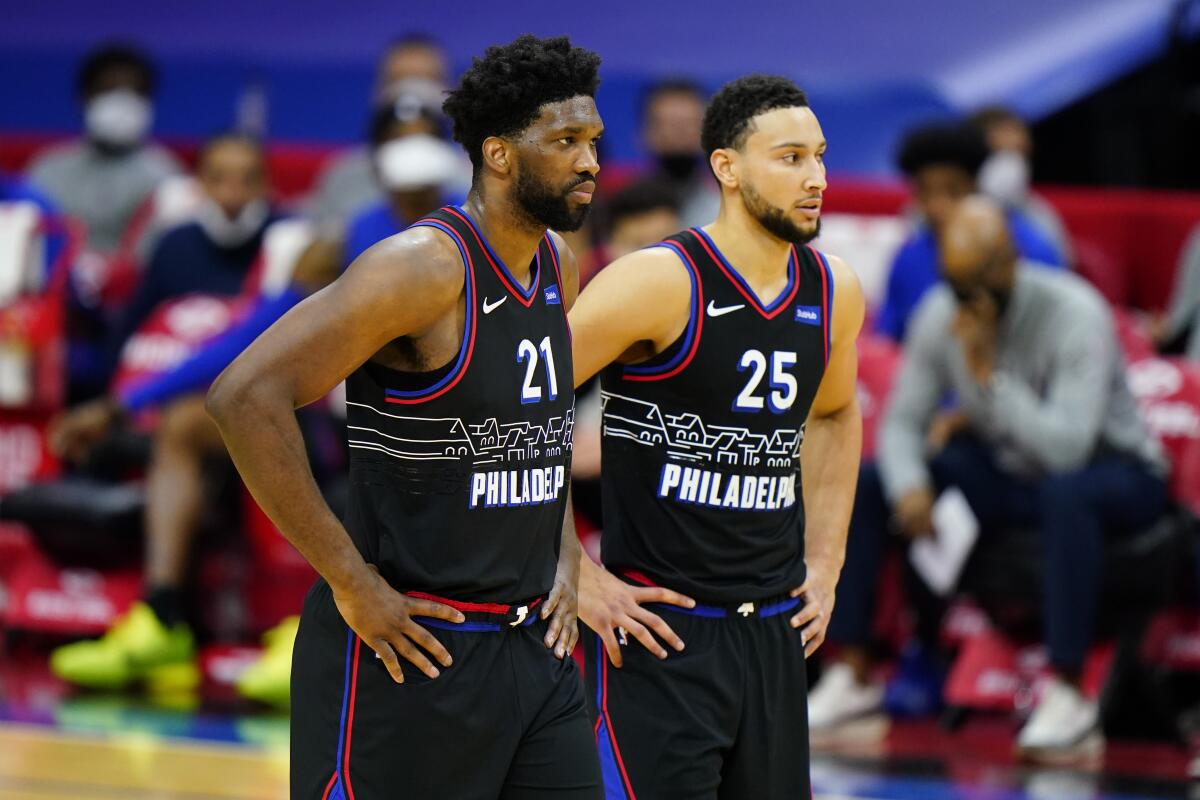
(642, 297)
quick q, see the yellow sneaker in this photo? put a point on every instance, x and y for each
(268, 680)
(138, 647)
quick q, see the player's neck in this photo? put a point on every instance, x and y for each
(757, 255)
(509, 233)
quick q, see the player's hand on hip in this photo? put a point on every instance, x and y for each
(608, 604)
(383, 619)
(562, 607)
(812, 619)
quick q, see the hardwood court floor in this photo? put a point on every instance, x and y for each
(40, 763)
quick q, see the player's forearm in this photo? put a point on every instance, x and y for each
(829, 462)
(266, 445)
(570, 550)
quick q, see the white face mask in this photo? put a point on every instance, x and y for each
(119, 118)
(1004, 177)
(229, 233)
(417, 162)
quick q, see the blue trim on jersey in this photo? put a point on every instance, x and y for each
(462, 349)
(828, 298)
(610, 771)
(537, 257)
(689, 332)
(787, 290)
(721, 612)
(345, 707)
(472, 627)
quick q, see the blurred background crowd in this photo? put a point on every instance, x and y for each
(170, 188)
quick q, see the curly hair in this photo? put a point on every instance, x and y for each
(953, 144)
(727, 119)
(503, 92)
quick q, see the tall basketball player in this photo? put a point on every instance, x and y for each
(723, 348)
(430, 657)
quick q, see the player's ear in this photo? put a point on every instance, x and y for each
(497, 154)
(725, 165)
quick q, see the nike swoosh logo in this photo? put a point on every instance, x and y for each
(490, 307)
(713, 311)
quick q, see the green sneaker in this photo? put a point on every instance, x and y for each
(138, 647)
(268, 680)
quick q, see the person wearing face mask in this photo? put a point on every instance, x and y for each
(672, 115)
(212, 255)
(105, 176)
(1047, 434)
(414, 64)
(417, 170)
(1006, 174)
(942, 163)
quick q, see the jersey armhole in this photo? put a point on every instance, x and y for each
(675, 358)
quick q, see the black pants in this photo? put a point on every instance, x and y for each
(507, 721)
(726, 719)
(1074, 512)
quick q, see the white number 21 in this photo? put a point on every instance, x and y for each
(528, 354)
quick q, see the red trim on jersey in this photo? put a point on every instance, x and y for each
(470, 267)
(698, 311)
(562, 291)
(501, 273)
(634, 575)
(484, 608)
(612, 734)
(783, 302)
(350, 719)
(329, 786)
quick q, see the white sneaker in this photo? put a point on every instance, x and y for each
(1064, 723)
(838, 698)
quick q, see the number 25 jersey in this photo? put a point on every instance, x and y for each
(700, 478)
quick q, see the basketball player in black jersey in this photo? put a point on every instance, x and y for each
(722, 348)
(457, 548)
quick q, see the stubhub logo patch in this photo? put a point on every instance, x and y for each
(552, 296)
(809, 315)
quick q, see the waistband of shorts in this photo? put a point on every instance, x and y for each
(481, 617)
(748, 609)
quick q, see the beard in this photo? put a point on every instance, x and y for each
(548, 206)
(776, 221)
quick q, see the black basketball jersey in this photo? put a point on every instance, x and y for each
(458, 477)
(700, 483)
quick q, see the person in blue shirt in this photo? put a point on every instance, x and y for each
(942, 162)
(417, 169)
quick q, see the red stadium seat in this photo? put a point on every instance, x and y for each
(878, 364)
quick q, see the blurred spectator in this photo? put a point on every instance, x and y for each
(348, 183)
(942, 162)
(672, 115)
(1047, 435)
(1178, 331)
(212, 255)
(638, 215)
(417, 170)
(104, 177)
(1006, 174)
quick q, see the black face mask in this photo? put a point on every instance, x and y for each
(1002, 298)
(679, 166)
(964, 295)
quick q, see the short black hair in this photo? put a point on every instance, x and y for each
(231, 137)
(727, 119)
(673, 85)
(987, 116)
(645, 195)
(415, 39)
(110, 56)
(954, 144)
(502, 93)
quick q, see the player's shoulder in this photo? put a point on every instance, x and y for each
(849, 305)
(659, 262)
(420, 260)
